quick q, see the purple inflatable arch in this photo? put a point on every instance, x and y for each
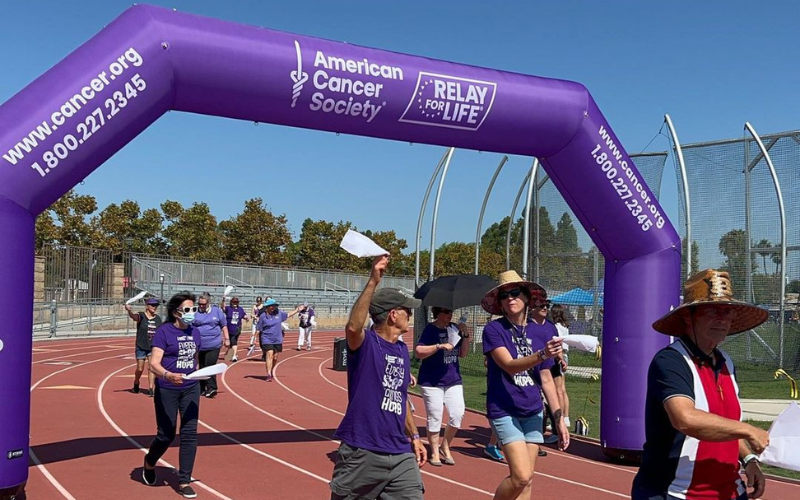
(150, 60)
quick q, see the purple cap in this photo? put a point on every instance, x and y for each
(151, 301)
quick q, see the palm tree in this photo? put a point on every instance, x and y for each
(764, 244)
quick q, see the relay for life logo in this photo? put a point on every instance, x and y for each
(450, 101)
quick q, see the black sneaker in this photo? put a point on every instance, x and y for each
(136, 387)
(542, 453)
(148, 475)
(150, 392)
(187, 492)
(211, 393)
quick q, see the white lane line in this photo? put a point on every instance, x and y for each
(39, 465)
(73, 355)
(136, 444)
(596, 488)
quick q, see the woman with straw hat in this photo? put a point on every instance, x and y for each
(695, 441)
(516, 358)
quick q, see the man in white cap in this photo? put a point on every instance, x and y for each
(696, 442)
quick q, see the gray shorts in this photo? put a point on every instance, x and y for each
(363, 474)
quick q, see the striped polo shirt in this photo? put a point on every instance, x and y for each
(675, 465)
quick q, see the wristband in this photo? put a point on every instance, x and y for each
(749, 458)
(164, 377)
(543, 355)
(414, 437)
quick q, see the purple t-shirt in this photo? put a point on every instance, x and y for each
(378, 374)
(512, 395)
(305, 318)
(270, 327)
(441, 369)
(210, 324)
(180, 349)
(234, 315)
(544, 332)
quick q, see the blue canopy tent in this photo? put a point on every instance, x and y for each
(576, 297)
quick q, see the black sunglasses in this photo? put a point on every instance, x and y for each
(542, 306)
(189, 309)
(514, 292)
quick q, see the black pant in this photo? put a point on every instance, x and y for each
(209, 358)
(168, 403)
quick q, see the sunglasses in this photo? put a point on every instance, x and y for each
(191, 309)
(514, 292)
(542, 306)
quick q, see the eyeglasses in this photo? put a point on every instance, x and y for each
(514, 292)
(192, 309)
(542, 306)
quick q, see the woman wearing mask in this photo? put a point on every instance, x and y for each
(213, 328)
(175, 350)
(513, 400)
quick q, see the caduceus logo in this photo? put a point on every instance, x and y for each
(299, 76)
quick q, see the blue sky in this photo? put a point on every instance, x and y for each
(711, 65)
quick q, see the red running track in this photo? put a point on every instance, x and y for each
(257, 439)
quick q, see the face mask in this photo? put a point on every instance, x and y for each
(188, 318)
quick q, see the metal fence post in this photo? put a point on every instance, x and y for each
(53, 317)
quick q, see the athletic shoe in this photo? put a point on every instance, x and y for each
(269, 378)
(136, 387)
(551, 439)
(148, 475)
(187, 492)
(251, 350)
(298, 348)
(494, 453)
(542, 453)
(211, 393)
(149, 393)
(234, 359)
(308, 348)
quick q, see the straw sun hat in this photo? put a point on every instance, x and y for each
(711, 288)
(491, 303)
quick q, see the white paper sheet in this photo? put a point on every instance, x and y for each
(452, 335)
(228, 290)
(140, 295)
(784, 440)
(359, 245)
(285, 327)
(586, 343)
(207, 372)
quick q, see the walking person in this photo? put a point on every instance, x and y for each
(234, 314)
(147, 322)
(175, 353)
(213, 328)
(258, 308)
(543, 328)
(440, 381)
(513, 400)
(695, 441)
(271, 333)
(375, 459)
(307, 322)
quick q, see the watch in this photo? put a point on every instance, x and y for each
(749, 458)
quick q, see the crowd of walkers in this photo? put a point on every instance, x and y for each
(525, 356)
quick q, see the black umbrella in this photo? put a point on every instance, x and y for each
(453, 292)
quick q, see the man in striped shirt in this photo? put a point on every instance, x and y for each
(696, 442)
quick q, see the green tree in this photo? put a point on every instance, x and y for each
(125, 227)
(764, 255)
(733, 245)
(566, 237)
(494, 238)
(65, 222)
(548, 239)
(191, 233)
(695, 258)
(256, 235)
(400, 264)
(318, 246)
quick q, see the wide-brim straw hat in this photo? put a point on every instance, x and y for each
(711, 288)
(491, 304)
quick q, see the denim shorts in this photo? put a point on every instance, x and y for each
(142, 354)
(511, 429)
